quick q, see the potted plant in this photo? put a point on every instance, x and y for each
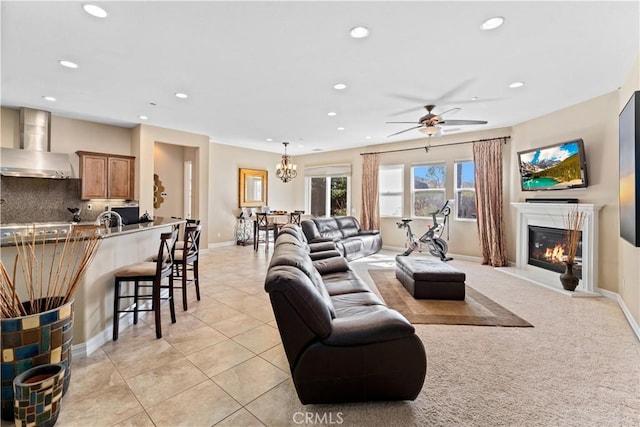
(574, 222)
(36, 306)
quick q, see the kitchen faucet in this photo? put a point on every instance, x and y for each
(105, 218)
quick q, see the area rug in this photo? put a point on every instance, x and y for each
(476, 309)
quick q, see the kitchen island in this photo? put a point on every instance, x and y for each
(120, 246)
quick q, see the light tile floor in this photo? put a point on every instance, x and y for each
(223, 354)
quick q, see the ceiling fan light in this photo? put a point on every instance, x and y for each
(430, 130)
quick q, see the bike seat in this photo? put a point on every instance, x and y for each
(406, 220)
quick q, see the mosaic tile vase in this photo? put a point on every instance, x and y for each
(32, 341)
(38, 395)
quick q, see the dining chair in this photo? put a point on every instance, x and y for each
(262, 224)
(294, 217)
(148, 274)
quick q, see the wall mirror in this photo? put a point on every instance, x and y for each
(253, 187)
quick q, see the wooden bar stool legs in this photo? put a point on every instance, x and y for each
(147, 275)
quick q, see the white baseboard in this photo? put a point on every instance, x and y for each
(625, 310)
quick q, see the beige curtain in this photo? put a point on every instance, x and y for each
(370, 213)
(487, 156)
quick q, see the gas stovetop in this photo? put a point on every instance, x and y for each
(47, 231)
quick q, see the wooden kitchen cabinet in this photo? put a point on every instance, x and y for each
(106, 176)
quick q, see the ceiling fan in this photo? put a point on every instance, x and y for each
(430, 123)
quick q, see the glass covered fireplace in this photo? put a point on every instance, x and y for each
(547, 249)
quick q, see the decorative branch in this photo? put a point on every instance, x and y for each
(68, 263)
(574, 222)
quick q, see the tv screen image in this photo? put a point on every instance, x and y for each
(554, 167)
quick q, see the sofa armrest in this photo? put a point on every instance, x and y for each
(368, 328)
(369, 232)
(334, 264)
(322, 246)
(322, 239)
(316, 256)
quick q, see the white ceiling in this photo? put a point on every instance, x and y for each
(257, 70)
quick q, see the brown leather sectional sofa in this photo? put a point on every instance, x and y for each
(342, 342)
(345, 232)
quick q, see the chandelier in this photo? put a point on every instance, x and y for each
(285, 170)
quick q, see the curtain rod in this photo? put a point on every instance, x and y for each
(427, 147)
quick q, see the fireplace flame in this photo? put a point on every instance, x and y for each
(555, 254)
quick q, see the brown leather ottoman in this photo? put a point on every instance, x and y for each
(430, 278)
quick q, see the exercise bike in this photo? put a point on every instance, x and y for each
(430, 240)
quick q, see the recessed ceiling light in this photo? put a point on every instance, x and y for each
(67, 64)
(143, 117)
(269, 139)
(339, 86)
(475, 98)
(300, 146)
(516, 84)
(340, 128)
(492, 23)
(331, 113)
(181, 95)
(359, 32)
(367, 137)
(94, 10)
(49, 98)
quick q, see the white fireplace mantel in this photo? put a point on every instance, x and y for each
(555, 215)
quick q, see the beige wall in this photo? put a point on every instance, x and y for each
(596, 122)
(144, 138)
(169, 166)
(629, 256)
(71, 135)
(225, 162)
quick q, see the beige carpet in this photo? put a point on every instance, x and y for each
(476, 309)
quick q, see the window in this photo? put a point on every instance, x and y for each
(427, 189)
(391, 185)
(328, 190)
(465, 191)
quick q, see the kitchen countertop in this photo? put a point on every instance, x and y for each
(142, 226)
(46, 231)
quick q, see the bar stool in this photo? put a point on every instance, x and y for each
(186, 259)
(145, 272)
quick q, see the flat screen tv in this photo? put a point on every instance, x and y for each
(554, 167)
(629, 129)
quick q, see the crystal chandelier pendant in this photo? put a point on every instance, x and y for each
(286, 170)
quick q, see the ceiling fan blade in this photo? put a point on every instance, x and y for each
(403, 131)
(462, 122)
(443, 99)
(408, 123)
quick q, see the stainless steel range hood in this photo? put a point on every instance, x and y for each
(34, 158)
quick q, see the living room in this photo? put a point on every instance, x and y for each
(215, 188)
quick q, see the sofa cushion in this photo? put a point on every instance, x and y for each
(348, 225)
(315, 310)
(368, 328)
(345, 301)
(328, 228)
